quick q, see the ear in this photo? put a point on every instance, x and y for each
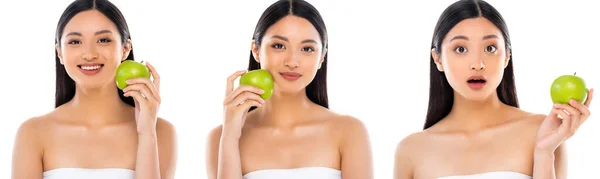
(59, 53)
(322, 58)
(126, 50)
(437, 60)
(508, 58)
(254, 49)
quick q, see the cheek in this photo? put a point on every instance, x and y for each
(454, 67)
(311, 62)
(70, 55)
(269, 58)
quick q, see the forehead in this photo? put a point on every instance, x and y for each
(474, 28)
(89, 21)
(294, 28)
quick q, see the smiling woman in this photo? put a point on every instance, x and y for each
(292, 134)
(96, 130)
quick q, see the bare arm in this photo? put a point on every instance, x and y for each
(157, 154)
(357, 162)
(167, 149)
(550, 165)
(146, 165)
(27, 153)
(223, 156)
(223, 152)
(403, 167)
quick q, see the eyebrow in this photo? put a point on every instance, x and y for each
(489, 37)
(459, 37)
(466, 38)
(287, 40)
(97, 33)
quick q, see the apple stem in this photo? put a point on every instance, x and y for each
(575, 74)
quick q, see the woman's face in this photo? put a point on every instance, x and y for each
(473, 58)
(91, 49)
(291, 50)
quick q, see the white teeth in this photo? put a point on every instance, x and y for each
(95, 67)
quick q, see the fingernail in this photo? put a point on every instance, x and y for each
(128, 81)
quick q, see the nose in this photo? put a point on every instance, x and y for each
(477, 63)
(292, 60)
(90, 53)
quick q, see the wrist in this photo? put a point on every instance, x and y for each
(543, 155)
(231, 133)
(147, 134)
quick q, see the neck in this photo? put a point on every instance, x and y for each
(98, 104)
(475, 114)
(284, 109)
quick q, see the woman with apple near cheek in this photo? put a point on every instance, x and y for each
(292, 134)
(96, 131)
(474, 127)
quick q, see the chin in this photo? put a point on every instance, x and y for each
(94, 83)
(479, 95)
(288, 88)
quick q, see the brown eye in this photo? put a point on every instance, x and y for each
(490, 49)
(74, 42)
(104, 40)
(278, 46)
(308, 49)
(460, 50)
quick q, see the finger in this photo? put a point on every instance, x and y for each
(245, 97)
(585, 112)
(240, 90)
(570, 109)
(565, 128)
(588, 101)
(248, 104)
(137, 96)
(231, 79)
(146, 82)
(155, 76)
(141, 88)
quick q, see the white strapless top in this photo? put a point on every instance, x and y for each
(491, 175)
(296, 173)
(78, 173)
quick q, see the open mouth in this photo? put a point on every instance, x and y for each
(90, 67)
(476, 81)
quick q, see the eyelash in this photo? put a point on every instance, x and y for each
(494, 49)
(280, 46)
(103, 40)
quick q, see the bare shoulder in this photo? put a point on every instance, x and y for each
(348, 124)
(31, 127)
(165, 128)
(38, 124)
(530, 120)
(32, 132)
(410, 143)
(214, 136)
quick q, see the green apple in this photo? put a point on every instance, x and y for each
(261, 79)
(130, 69)
(568, 87)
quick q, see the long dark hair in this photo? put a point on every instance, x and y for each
(316, 90)
(441, 94)
(65, 86)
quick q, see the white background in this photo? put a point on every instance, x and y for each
(378, 68)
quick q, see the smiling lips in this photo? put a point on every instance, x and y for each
(290, 76)
(476, 82)
(90, 68)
